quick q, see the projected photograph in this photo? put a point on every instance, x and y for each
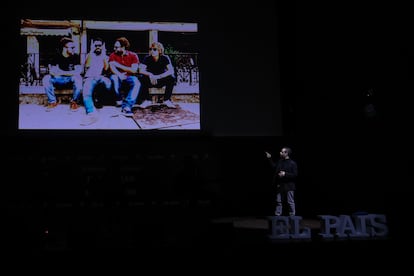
(110, 75)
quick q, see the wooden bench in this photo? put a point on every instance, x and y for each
(64, 95)
(156, 93)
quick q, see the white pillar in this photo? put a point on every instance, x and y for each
(33, 54)
(153, 36)
(83, 45)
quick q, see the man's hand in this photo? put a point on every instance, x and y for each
(122, 75)
(153, 79)
(268, 155)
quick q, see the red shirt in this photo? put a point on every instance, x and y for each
(127, 59)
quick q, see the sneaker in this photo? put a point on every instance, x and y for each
(89, 119)
(118, 103)
(126, 111)
(51, 106)
(169, 104)
(74, 106)
(145, 104)
(277, 214)
(291, 214)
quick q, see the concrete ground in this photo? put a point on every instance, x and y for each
(36, 116)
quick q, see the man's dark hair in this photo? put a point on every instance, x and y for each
(124, 42)
(64, 41)
(98, 39)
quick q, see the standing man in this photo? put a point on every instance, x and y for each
(157, 71)
(286, 172)
(65, 69)
(124, 67)
(96, 65)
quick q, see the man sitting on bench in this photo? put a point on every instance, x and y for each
(64, 70)
(157, 71)
(96, 66)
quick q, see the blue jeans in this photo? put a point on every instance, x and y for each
(131, 84)
(89, 85)
(50, 82)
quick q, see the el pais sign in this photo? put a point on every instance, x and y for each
(367, 226)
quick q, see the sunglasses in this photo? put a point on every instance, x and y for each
(98, 45)
(153, 49)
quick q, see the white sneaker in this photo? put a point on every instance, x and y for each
(169, 104)
(126, 111)
(145, 104)
(89, 119)
(118, 103)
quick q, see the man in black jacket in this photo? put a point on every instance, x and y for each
(286, 172)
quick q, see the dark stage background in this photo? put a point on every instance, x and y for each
(332, 82)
